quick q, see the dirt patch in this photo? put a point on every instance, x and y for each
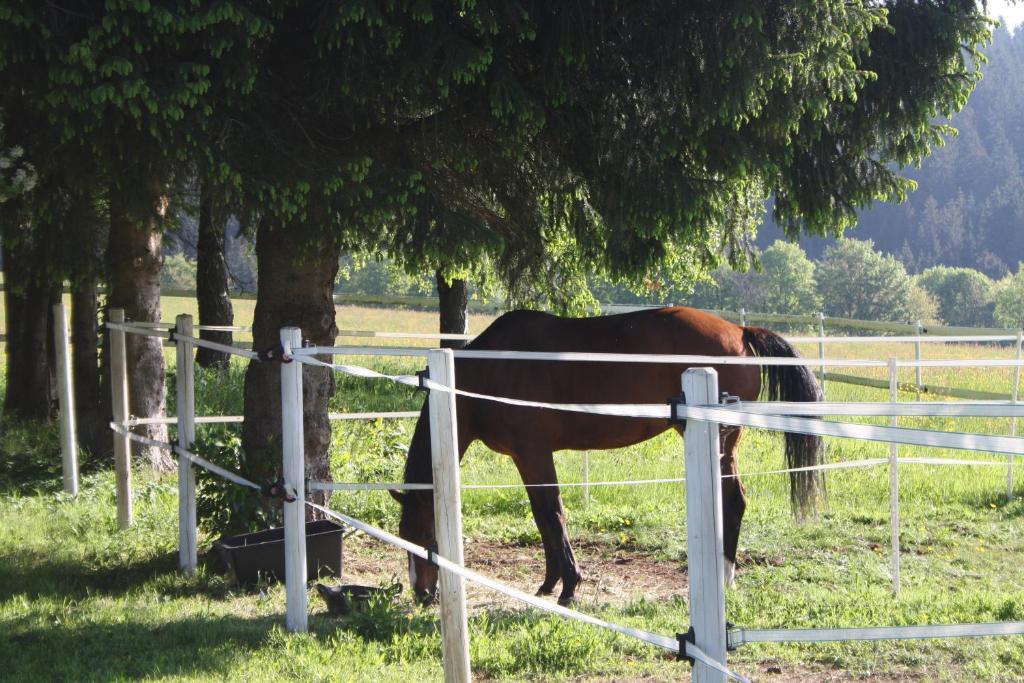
(611, 576)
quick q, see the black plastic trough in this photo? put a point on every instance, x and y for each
(261, 554)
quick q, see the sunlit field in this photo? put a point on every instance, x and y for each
(81, 600)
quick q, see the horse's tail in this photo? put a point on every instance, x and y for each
(792, 383)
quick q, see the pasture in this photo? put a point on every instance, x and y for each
(81, 600)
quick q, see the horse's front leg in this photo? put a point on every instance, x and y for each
(734, 500)
(538, 473)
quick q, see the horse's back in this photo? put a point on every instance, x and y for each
(671, 330)
(676, 330)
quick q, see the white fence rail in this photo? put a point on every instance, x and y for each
(707, 643)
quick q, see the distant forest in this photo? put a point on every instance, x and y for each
(968, 209)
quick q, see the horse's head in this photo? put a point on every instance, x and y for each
(417, 526)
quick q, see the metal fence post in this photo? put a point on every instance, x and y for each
(119, 403)
(705, 561)
(187, 541)
(294, 469)
(444, 450)
(66, 396)
(894, 483)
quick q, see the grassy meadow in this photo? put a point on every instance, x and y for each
(81, 600)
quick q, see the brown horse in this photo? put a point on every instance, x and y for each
(531, 435)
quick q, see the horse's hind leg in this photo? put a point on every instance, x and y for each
(546, 503)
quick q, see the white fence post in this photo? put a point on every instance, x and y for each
(919, 355)
(1013, 421)
(119, 403)
(743, 317)
(187, 541)
(894, 483)
(66, 396)
(586, 479)
(821, 348)
(448, 516)
(704, 556)
(294, 470)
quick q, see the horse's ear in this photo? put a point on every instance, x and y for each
(397, 495)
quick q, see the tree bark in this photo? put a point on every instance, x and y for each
(29, 296)
(134, 259)
(90, 412)
(453, 305)
(296, 285)
(212, 281)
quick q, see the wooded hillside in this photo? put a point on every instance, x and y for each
(968, 209)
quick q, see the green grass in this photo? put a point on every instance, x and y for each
(80, 599)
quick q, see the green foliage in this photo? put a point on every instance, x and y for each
(29, 452)
(923, 305)
(554, 143)
(224, 507)
(964, 295)
(178, 272)
(380, 617)
(784, 283)
(547, 141)
(855, 281)
(379, 276)
(1009, 299)
(16, 176)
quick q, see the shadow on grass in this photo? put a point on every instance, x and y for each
(131, 650)
(37, 575)
(996, 502)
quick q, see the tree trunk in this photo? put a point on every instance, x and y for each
(212, 281)
(296, 285)
(134, 259)
(29, 296)
(454, 308)
(90, 413)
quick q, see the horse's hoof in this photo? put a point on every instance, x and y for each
(567, 600)
(544, 590)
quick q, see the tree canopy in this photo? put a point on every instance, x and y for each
(552, 140)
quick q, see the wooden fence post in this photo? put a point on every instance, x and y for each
(448, 516)
(66, 396)
(894, 483)
(187, 541)
(294, 468)
(119, 401)
(704, 555)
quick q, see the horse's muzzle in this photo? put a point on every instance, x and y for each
(426, 598)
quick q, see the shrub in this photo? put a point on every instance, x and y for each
(178, 272)
(224, 507)
(784, 284)
(1008, 295)
(964, 295)
(855, 281)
